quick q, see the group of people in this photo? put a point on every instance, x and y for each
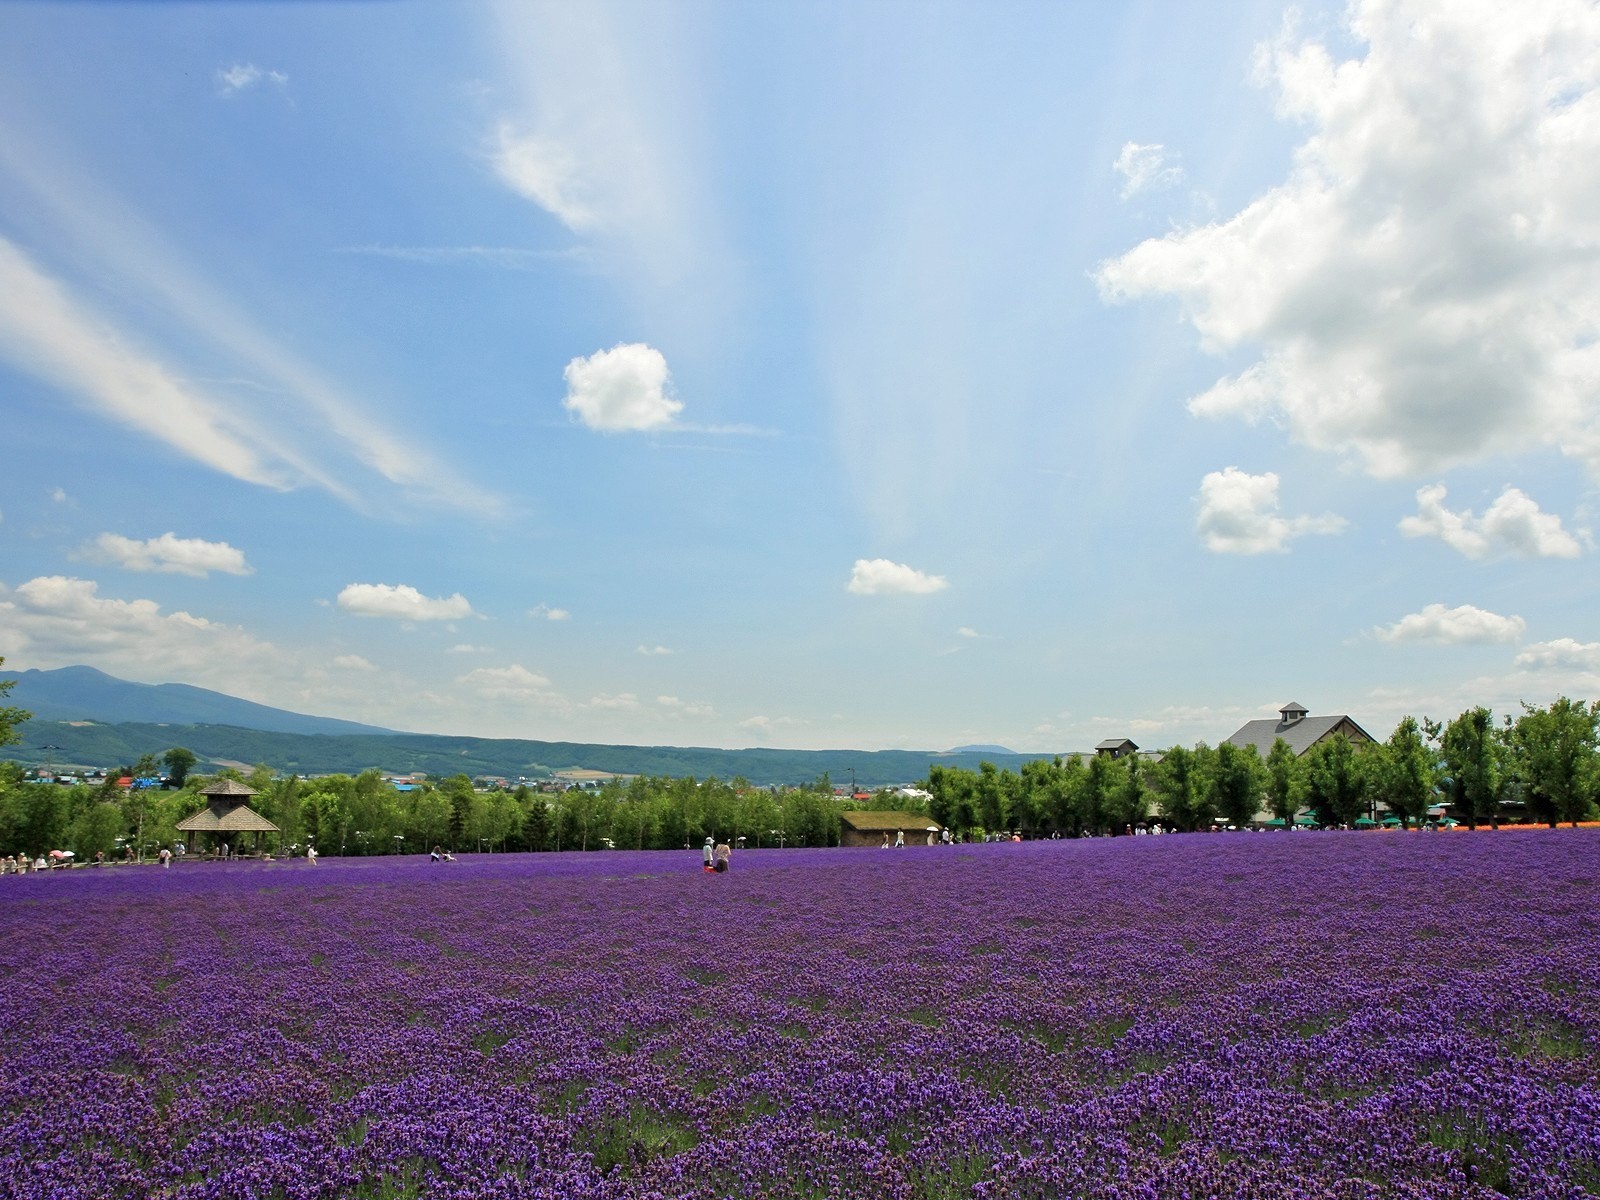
(438, 855)
(716, 857)
(21, 866)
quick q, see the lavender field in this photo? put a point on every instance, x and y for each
(1327, 1015)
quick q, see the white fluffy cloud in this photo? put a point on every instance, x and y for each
(1421, 286)
(169, 553)
(655, 651)
(1561, 653)
(401, 603)
(625, 388)
(1143, 168)
(1463, 625)
(353, 662)
(543, 612)
(1513, 524)
(56, 620)
(880, 577)
(1239, 515)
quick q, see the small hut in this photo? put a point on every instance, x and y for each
(226, 813)
(864, 828)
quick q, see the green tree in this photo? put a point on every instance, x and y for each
(991, 798)
(1472, 755)
(10, 717)
(1179, 789)
(1286, 781)
(1100, 780)
(428, 821)
(458, 794)
(96, 829)
(1335, 789)
(1404, 771)
(1555, 751)
(1128, 803)
(1236, 783)
(179, 761)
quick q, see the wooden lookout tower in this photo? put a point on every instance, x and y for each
(227, 813)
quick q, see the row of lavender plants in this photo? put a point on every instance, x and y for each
(1337, 1016)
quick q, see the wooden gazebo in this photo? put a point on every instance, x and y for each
(226, 812)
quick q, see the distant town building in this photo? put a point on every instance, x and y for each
(1116, 747)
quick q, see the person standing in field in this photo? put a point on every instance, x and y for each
(707, 853)
(899, 839)
(724, 857)
(166, 857)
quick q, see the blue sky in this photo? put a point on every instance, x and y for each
(877, 375)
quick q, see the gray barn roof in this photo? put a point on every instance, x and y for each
(1301, 734)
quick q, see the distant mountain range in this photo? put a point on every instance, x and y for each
(84, 717)
(85, 694)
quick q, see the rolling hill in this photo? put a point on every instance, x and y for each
(88, 718)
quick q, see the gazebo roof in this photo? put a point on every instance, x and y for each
(228, 787)
(242, 819)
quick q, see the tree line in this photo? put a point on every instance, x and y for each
(365, 814)
(1543, 764)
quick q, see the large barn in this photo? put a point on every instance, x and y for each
(1299, 728)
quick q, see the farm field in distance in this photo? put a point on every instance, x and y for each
(1335, 1016)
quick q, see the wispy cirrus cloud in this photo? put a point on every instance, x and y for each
(506, 258)
(596, 126)
(1144, 168)
(52, 335)
(170, 554)
(241, 76)
(127, 356)
(547, 171)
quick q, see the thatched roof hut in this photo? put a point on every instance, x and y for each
(866, 828)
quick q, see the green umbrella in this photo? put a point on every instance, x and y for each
(1392, 821)
(1275, 823)
(1365, 823)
